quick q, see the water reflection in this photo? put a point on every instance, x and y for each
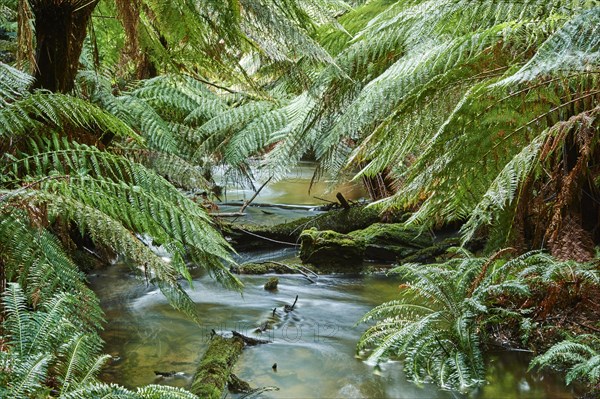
(294, 189)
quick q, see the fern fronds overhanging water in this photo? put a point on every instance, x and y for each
(55, 189)
(438, 326)
(579, 355)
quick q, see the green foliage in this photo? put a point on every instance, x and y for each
(580, 356)
(45, 344)
(439, 323)
(49, 352)
(55, 192)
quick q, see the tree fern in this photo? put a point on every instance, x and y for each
(59, 110)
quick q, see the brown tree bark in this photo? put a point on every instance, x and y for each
(60, 29)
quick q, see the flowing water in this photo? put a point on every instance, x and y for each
(313, 346)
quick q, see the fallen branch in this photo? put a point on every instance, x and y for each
(248, 340)
(268, 239)
(255, 195)
(297, 269)
(228, 214)
(254, 393)
(288, 308)
(342, 200)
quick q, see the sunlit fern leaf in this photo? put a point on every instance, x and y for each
(575, 47)
(58, 110)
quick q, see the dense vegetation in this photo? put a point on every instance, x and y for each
(476, 113)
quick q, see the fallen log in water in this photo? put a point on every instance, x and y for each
(215, 368)
(258, 236)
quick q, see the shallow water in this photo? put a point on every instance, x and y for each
(313, 346)
(295, 189)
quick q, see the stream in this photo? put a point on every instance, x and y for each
(313, 346)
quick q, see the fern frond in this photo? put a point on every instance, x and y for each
(13, 84)
(77, 361)
(30, 374)
(58, 110)
(575, 47)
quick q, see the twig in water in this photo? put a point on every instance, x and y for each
(255, 195)
(269, 239)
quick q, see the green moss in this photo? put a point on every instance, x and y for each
(393, 233)
(330, 251)
(262, 268)
(214, 369)
(271, 285)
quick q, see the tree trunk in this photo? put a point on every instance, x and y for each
(60, 29)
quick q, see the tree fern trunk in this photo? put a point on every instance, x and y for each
(60, 29)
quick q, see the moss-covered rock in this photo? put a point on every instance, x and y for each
(330, 251)
(271, 285)
(263, 268)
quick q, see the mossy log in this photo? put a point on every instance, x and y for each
(215, 368)
(391, 241)
(332, 252)
(244, 237)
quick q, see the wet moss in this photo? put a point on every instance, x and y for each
(332, 252)
(271, 285)
(215, 368)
